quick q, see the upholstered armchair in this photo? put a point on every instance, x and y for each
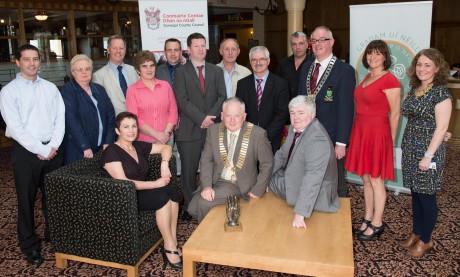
(94, 219)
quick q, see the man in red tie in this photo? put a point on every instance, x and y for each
(331, 82)
(200, 91)
(265, 95)
(305, 171)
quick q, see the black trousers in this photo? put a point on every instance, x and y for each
(29, 174)
(424, 215)
(190, 154)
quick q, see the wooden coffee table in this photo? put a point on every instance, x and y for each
(269, 242)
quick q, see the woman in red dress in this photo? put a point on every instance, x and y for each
(373, 135)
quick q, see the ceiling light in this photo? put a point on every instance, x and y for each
(41, 15)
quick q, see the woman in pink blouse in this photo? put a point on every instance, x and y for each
(153, 102)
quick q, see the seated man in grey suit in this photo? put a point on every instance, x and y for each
(116, 76)
(305, 170)
(236, 160)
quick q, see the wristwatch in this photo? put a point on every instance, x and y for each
(428, 155)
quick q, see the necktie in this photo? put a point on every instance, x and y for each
(231, 146)
(200, 76)
(121, 78)
(314, 78)
(259, 92)
(296, 135)
(172, 69)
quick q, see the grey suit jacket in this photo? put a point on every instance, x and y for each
(250, 177)
(311, 172)
(194, 104)
(110, 82)
(162, 73)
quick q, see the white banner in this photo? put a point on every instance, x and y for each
(406, 27)
(163, 19)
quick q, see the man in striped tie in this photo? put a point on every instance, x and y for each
(266, 96)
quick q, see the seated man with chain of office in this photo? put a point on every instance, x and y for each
(236, 160)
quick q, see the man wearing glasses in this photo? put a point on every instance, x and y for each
(331, 82)
(265, 95)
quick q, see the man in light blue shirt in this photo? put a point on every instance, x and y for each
(233, 72)
(34, 114)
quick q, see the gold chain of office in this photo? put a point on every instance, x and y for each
(243, 149)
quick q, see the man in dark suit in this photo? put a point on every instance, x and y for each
(332, 82)
(173, 52)
(241, 171)
(200, 91)
(265, 95)
(305, 171)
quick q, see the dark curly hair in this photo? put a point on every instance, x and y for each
(142, 57)
(440, 78)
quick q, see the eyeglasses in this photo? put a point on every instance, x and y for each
(322, 40)
(83, 69)
(261, 60)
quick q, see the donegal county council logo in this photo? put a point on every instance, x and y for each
(152, 18)
(401, 58)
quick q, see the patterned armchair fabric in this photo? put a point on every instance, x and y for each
(96, 217)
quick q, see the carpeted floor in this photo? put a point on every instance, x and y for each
(383, 257)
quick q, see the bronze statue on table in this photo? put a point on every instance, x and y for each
(233, 214)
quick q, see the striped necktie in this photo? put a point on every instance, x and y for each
(314, 79)
(259, 92)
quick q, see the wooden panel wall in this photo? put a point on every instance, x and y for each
(445, 34)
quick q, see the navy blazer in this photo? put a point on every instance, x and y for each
(81, 120)
(336, 116)
(273, 112)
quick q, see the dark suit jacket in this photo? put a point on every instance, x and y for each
(273, 107)
(81, 119)
(162, 73)
(335, 116)
(311, 172)
(194, 104)
(257, 169)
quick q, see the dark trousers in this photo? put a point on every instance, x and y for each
(190, 154)
(424, 215)
(29, 174)
(341, 188)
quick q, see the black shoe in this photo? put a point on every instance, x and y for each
(357, 231)
(376, 232)
(35, 258)
(186, 216)
(166, 261)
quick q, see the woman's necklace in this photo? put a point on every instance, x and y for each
(422, 92)
(125, 148)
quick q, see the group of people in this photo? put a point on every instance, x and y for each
(227, 123)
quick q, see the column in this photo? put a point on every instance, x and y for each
(295, 18)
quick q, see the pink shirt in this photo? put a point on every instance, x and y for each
(156, 107)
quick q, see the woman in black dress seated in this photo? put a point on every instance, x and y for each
(127, 160)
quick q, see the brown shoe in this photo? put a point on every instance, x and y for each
(419, 248)
(411, 240)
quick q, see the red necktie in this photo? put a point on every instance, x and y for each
(296, 135)
(200, 76)
(314, 78)
(259, 92)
